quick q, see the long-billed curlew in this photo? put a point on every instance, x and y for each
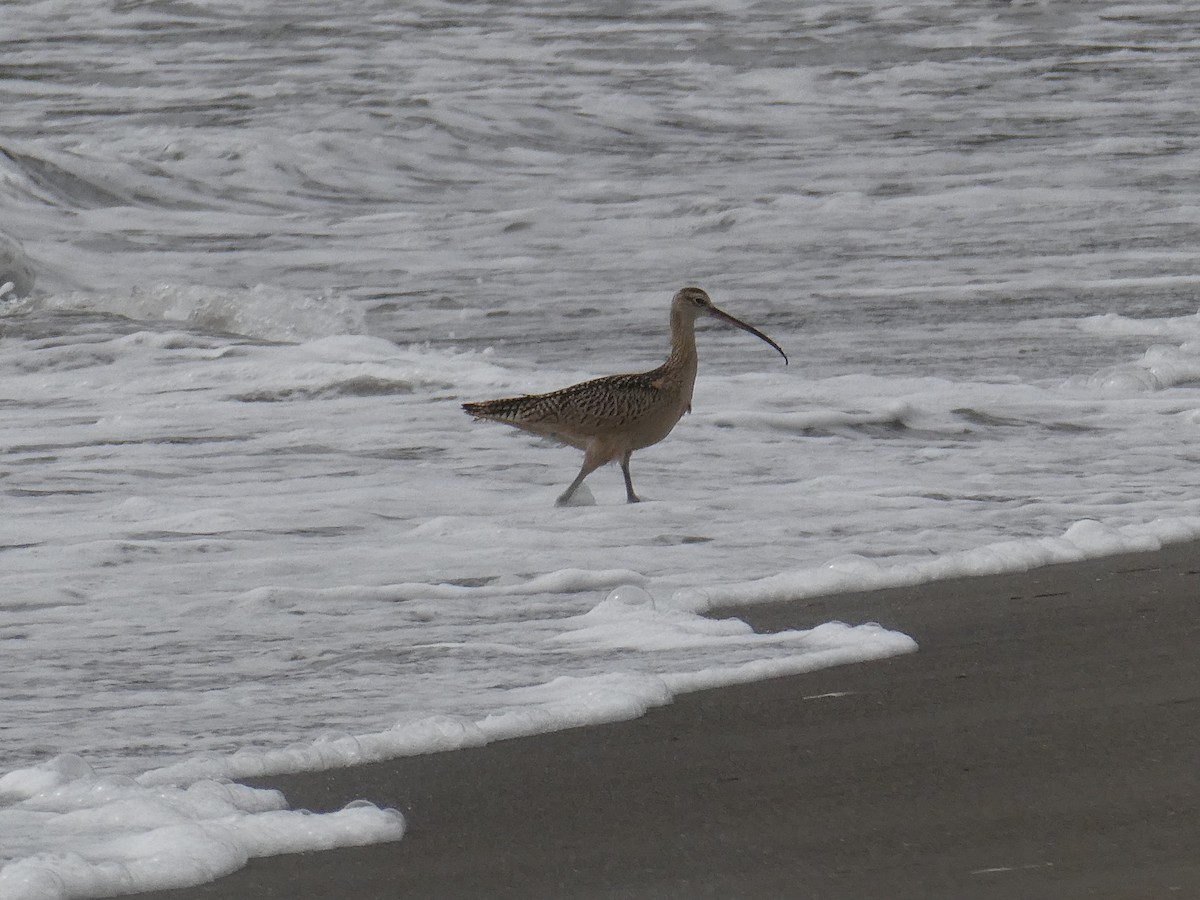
(609, 418)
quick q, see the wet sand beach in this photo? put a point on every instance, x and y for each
(1042, 743)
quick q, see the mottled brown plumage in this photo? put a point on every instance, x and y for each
(609, 418)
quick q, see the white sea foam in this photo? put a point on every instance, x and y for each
(73, 833)
(1086, 539)
(16, 271)
(264, 312)
(248, 528)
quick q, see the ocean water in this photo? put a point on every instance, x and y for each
(256, 255)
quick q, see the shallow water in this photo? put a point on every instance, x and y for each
(248, 527)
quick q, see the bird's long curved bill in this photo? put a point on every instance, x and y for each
(738, 323)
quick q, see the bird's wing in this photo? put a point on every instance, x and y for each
(574, 414)
(603, 404)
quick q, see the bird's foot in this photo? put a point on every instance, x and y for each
(579, 496)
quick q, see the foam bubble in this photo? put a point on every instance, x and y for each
(630, 595)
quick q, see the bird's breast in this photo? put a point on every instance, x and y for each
(674, 398)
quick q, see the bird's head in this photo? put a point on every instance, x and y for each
(692, 303)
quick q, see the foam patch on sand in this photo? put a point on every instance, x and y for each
(88, 835)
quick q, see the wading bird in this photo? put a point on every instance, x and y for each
(608, 418)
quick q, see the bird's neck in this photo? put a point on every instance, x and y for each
(683, 361)
(683, 340)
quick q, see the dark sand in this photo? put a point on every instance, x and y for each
(1044, 742)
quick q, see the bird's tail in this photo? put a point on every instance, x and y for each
(505, 410)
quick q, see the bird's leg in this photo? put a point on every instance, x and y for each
(590, 464)
(630, 496)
